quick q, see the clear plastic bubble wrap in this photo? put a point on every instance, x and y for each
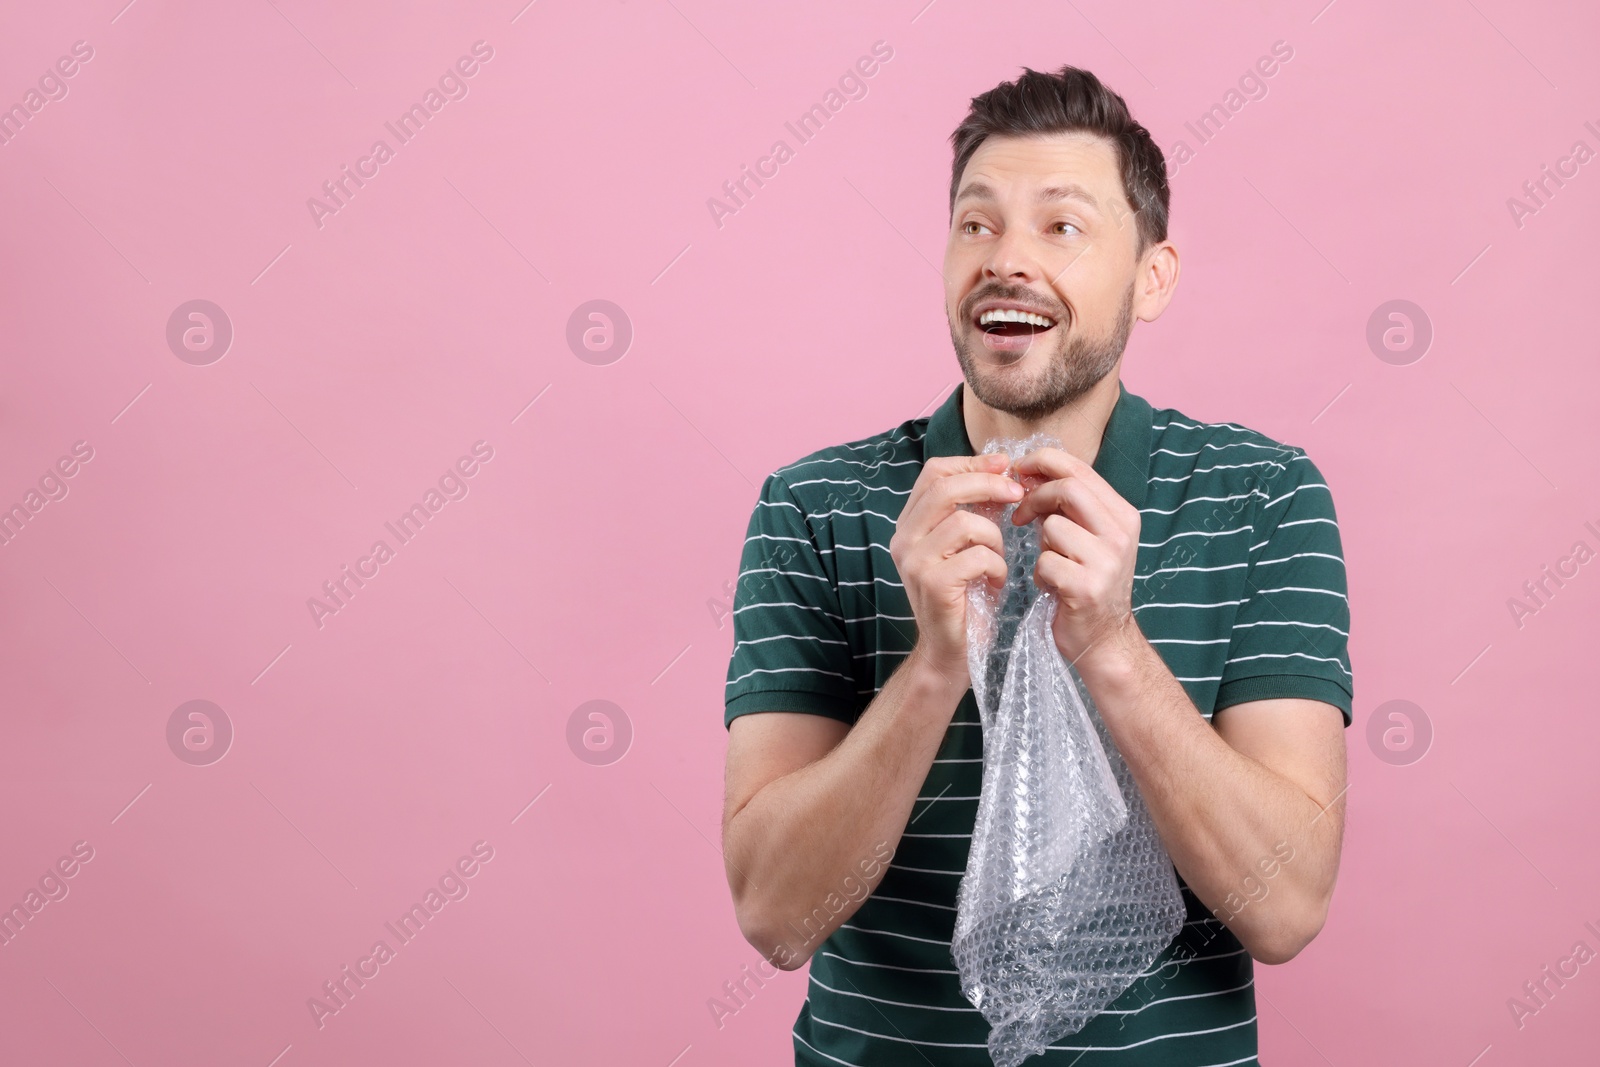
(1069, 894)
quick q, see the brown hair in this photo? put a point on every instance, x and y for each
(1072, 100)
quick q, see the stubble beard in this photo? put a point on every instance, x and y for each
(1080, 362)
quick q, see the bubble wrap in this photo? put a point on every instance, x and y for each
(1069, 894)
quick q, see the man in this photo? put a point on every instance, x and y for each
(1201, 598)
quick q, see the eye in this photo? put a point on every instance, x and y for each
(1059, 228)
(973, 227)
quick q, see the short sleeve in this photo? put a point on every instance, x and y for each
(1291, 635)
(789, 649)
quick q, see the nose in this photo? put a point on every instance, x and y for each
(1011, 259)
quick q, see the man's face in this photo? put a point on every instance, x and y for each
(1042, 233)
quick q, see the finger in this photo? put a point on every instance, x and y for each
(1049, 464)
(942, 467)
(978, 561)
(944, 494)
(958, 531)
(1061, 535)
(1060, 575)
(1070, 496)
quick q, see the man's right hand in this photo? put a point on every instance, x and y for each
(809, 796)
(939, 547)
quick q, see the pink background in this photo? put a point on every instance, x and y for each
(591, 555)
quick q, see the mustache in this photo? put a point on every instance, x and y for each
(1021, 294)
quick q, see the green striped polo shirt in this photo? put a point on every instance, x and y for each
(1239, 586)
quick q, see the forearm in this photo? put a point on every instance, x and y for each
(1254, 846)
(827, 829)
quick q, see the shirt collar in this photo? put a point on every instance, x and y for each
(1124, 456)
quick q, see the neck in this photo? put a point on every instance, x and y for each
(1079, 426)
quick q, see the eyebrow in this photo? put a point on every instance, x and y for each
(1070, 191)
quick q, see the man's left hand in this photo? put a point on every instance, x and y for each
(1088, 545)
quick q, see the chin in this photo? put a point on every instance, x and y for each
(1022, 379)
(1026, 398)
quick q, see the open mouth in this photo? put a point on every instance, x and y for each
(1011, 330)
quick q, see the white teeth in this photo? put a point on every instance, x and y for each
(1008, 315)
